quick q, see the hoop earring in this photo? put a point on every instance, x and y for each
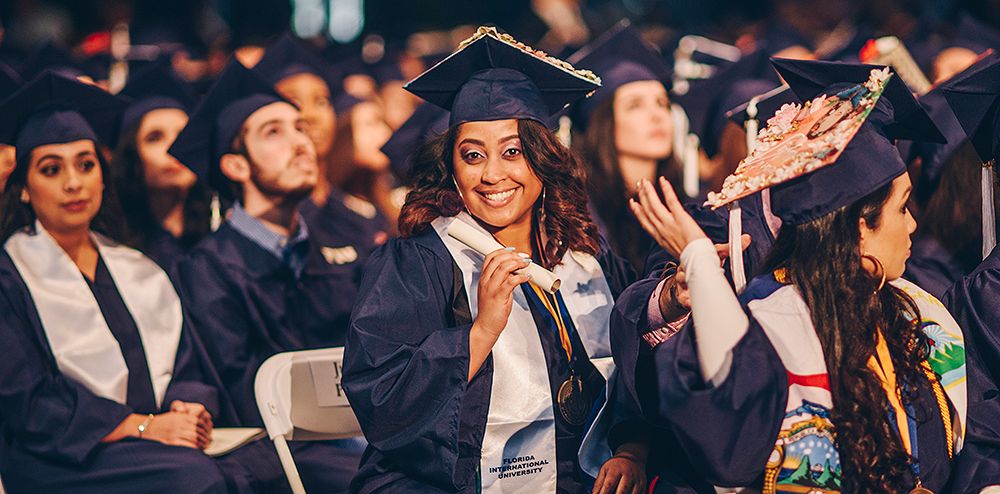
(878, 267)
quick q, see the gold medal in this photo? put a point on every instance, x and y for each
(573, 405)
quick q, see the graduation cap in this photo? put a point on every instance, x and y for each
(494, 77)
(974, 97)
(9, 81)
(619, 56)
(427, 121)
(50, 56)
(54, 109)
(703, 101)
(766, 102)
(810, 78)
(152, 88)
(934, 156)
(819, 157)
(287, 56)
(854, 174)
(217, 120)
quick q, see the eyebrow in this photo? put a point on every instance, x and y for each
(481, 143)
(85, 154)
(47, 157)
(269, 122)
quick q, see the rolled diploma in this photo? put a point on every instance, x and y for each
(484, 244)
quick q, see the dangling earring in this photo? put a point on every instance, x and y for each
(541, 213)
(879, 268)
(465, 205)
(24, 197)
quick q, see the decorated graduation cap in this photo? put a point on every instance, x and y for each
(217, 120)
(153, 88)
(492, 76)
(53, 109)
(287, 56)
(619, 56)
(974, 97)
(834, 149)
(427, 121)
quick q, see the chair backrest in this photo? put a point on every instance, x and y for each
(300, 397)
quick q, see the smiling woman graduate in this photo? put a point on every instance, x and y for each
(466, 376)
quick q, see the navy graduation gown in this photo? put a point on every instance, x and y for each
(743, 413)
(52, 426)
(335, 225)
(163, 248)
(932, 267)
(406, 371)
(973, 302)
(248, 305)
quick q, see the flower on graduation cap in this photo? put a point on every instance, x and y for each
(801, 139)
(492, 32)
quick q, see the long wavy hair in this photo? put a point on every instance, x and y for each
(568, 225)
(16, 215)
(606, 187)
(822, 259)
(130, 186)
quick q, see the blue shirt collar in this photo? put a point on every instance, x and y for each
(291, 251)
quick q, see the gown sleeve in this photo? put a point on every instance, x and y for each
(191, 381)
(42, 411)
(973, 303)
(217, 312)
(406, 362)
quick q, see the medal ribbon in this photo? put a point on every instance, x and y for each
(882, 365)
(553, 307)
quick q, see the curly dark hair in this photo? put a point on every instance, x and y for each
(822, 259)
(130, 186)
(16, 215)
(568, 224)
(607, 187)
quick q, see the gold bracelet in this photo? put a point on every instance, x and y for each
(144, 426)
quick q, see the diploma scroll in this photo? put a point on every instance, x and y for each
(484, 244)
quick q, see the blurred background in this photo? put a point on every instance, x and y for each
(200, 34)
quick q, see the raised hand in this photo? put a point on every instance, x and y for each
(666, 221)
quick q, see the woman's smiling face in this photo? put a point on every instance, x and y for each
(493, 174)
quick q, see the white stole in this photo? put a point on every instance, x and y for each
(519, 451)
(786, 321)
(82, 344)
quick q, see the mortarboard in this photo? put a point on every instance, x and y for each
(152, 88)
(50, 56)
(427, 121)
(974, 97)
(703, 101)
(491, 76)
(217, 120)
(810, 78)
(619, 56)
(819, 157)
(935, 156)
(974, 35)
(768, 102)
(53, 109)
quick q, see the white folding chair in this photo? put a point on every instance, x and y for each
(300, 398)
